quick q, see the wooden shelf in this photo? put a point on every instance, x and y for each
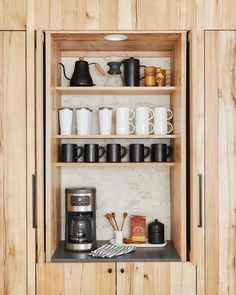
(115, 90)
(97, 136)
(122, 164)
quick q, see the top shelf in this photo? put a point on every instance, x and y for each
(115, 90)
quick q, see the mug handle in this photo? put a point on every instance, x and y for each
(81, 151)
(169, 151)
(133, 128)
(123, 152)
(170, 113)
(151, 128)
(151, 113)
(171, 127)
(102, 149)
(147, 153)
(133, 114)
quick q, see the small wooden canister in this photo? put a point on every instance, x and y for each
(150, 76)
(160, 77)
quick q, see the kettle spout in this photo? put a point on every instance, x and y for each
(64, 71)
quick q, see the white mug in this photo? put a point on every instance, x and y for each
(119, 237)
(65, 118)
(143, 114)
(83, 118)
(161, 124)
(162, 113)
(143, 127)
(123, 127)
(105, 120)
(123, 114)
(162, 127)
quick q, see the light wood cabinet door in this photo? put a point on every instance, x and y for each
(76, 278)
(151, 278)
(220, 162)
(12, 15)
(13, 140)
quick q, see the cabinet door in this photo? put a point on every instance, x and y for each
(13, 230)
(13, 15)
(152, 278)
(76, 278)
(220, 162)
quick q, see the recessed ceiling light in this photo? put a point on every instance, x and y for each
(115, 37)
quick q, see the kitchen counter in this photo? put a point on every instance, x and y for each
(167, 253)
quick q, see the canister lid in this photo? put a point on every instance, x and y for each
(156, 226)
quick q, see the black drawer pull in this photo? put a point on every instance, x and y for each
(110, 270)
(122, 270)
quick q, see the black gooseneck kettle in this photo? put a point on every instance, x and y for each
(81, 75)
(132, 71)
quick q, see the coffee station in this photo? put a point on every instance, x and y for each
(115, 142)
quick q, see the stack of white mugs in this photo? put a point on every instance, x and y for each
(142, 121)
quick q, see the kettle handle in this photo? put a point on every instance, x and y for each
(99, 68)
(64, 71)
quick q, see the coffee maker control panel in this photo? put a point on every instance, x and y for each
(80, 200)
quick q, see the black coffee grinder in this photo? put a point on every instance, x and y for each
(80, 233)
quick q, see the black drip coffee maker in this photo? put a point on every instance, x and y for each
(80, 219)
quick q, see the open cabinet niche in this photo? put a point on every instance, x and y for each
(156, 191)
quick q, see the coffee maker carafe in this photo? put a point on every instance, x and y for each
(80, 233)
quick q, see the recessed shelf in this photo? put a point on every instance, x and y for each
(97, 136)
(122, 164)
(115, 90)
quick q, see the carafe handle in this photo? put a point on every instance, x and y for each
(99, 68)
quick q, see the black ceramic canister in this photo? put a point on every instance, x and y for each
(156, 232)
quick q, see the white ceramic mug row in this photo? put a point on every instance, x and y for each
(124, 116)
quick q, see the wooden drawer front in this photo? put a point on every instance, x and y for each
(152, 278)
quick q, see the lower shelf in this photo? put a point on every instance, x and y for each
(166, 254)
(122, 164)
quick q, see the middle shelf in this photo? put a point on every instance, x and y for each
(121, 164)
(98, 136)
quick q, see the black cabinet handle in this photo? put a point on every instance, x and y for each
(34, 223)
(200, 199)
(109, 270)
(122, 270)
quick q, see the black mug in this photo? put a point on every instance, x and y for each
(93, 152)
(160, 152)
(69, 152)
(138, 152)
(115, 152)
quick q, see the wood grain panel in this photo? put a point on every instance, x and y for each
(117, 14)
(220, 14)
(13, 230)
(76, 278)
(220, 162)
(178, 173)
(196, 40)
(165, 15)
(12, 15)
(150, 278)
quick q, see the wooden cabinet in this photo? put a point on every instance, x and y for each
(140, 278)
(76, 278)
(150, 278)
(220, 162)
(13, 155)
(115, 15)
(12, 15)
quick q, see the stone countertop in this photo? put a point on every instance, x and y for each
(165, 254)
